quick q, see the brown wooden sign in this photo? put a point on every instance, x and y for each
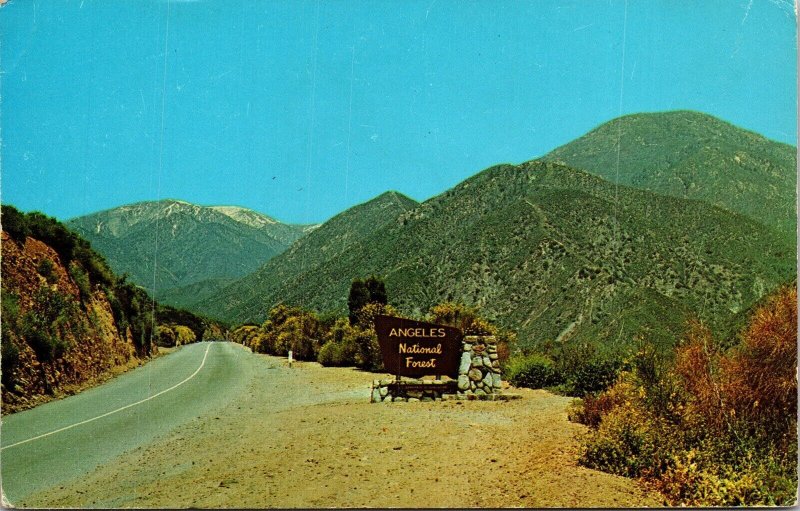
(414, 348)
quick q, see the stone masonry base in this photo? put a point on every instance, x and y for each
(478, 378)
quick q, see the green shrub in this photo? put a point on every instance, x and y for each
(330, 354)
(304, 347)
(14, 223)
(142, 331)
(133, 308)
(52, 232)
(10, 312)
(569, 357)
(365, 317)
(364, 292)
(117, 312)
(340, 348)
(594, 375)
(533, 371)
(81, 280)
(629, 442)
(94, 264)
(41, 338)
(366, 350)
(165, 336)
(46, 325)
(584, 369)
(46, 269)
(183, 335)
(460, 316)
(9, 319)
(9, 357)
(46, 346)
(368, 356)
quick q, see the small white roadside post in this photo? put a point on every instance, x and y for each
(290, 358)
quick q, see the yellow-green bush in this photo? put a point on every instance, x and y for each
(460, 316)
(591, 409)
(165, 336)
(174, 335)
(534, 371)
(287, 328)
(695, 478)
(183, 335)
(246, 335)
(629, 442)
(340, 348)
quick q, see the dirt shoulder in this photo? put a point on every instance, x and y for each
(308, 437)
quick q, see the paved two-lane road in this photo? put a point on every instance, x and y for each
(62, 440)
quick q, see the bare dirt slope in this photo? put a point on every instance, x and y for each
(308, 437)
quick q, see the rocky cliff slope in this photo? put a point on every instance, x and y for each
(53, 339)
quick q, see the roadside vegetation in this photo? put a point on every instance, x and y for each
(351, 340)
(50, 321)
(708, 426)
(569, 368)
(331, 340)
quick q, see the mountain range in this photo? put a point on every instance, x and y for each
(560, 253)
(628, 232)
(183, 250)
(550, 251)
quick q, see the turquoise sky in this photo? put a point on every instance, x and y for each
(302, 109)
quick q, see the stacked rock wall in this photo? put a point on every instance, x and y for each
(410, 389)
(478, 378)
(479, 372)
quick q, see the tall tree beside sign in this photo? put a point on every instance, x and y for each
(414, 348)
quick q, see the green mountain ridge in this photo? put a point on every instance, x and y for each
(692, 155)
(172, 244)
(552, 252)
(346, 233)
(188, 296)
(631, 230)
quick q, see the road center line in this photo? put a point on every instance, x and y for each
(113, 411)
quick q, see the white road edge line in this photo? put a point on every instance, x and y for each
(113, 411)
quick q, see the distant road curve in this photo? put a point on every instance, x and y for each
(61, 440)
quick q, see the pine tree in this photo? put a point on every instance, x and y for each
(377, 290)
(359, 297)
